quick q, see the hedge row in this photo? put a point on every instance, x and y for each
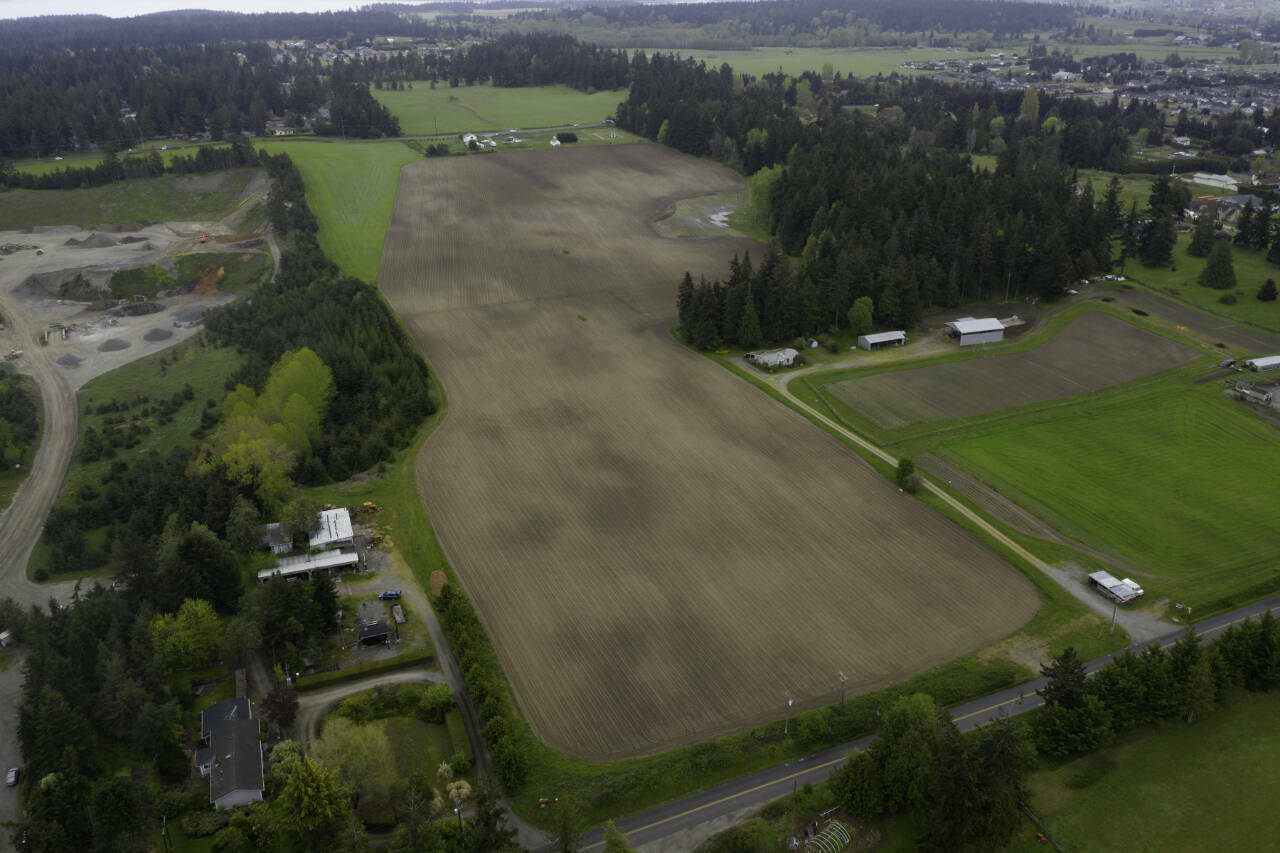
(505, 731)
(413, 657)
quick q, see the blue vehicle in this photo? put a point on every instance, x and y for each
(390, 595)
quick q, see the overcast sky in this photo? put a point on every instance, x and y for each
(128, 8)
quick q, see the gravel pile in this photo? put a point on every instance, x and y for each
(157, 335)
(69, 360)
(113, 345)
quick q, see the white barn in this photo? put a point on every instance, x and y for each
(969, 330)
(1265, 362)
(785, 357)
(303, 565)
(880, 340)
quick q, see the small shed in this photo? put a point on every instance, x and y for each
(397, 613)
(374, 633)
(784, 357)
(272, 536)
(1265, 362)
(880, 340)
(971, 330)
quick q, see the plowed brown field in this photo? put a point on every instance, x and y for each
(1095, 350)
(660, 552)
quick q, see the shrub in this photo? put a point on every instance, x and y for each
(1227, 299)
(460, 763)
(413, 657)
(565, 137)
(200, 824)
(1267, 293)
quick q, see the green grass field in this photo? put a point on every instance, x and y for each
(1251, 269)
(1209, 786)
(419, 747)
(1174, 478)
(204, 368)
(46, 165)
(425, 111)
(169, 197)
(351, 188)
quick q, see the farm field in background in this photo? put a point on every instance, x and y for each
(1251, 269)
(425, 111)
(1173, 479)
(187, 198)
(659, 552)
(1096, 350)
(1209, 786)
(794, 61)
(350, 188)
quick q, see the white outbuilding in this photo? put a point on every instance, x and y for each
(1120, 592)
(1265, 362)
(785, 357)
(880, 340)
(970, 330)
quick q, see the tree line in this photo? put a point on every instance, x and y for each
(19, 418)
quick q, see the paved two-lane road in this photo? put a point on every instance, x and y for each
(758, 789)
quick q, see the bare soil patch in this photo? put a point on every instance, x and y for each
(660, 552)
(1095, 350)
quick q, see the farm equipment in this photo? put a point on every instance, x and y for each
(13, 353)
(204, 238)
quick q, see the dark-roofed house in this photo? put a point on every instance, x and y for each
(233, 757)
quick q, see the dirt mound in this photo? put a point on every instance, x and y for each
(157, 335)
(113, 345)
(85, 284)
(134, 239)
(93, 241)
(207, 280)
(10, 248)
(137, 309)
(69, 360)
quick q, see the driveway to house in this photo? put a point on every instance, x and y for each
(314, 704)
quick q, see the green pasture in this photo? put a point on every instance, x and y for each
(1179, 281)
(420, 747)
(1174, 479)
(351, 188)
(158, 199)
(425, 111)
(1208, 786)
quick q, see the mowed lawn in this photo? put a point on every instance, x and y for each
(1178, 480)
(425, 111)
(1251, 269)
(351, 188)
(196, 197)
(1209, 786)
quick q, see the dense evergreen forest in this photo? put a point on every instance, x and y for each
(781, 23)
(19, 419)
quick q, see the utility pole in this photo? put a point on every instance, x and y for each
(786, 726)
(843, 680)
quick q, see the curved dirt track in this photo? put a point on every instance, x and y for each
(22, 523)
(660, 552)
